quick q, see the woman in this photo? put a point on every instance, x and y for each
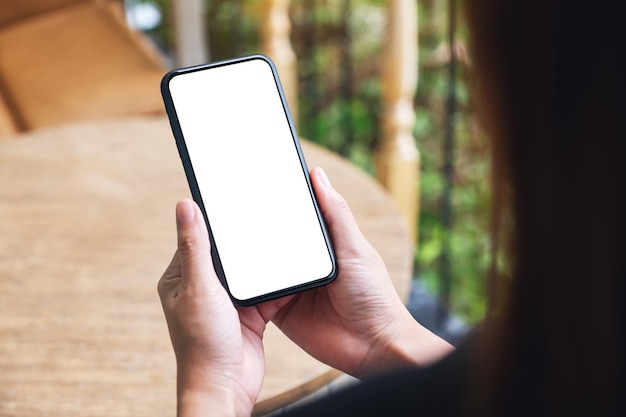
(549, 82)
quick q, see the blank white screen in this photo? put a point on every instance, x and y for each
(252, 184)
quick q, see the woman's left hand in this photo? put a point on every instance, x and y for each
(219, 353)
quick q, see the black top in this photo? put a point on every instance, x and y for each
(436, 390)
(449, 388)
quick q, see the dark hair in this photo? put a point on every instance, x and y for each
(550, 81)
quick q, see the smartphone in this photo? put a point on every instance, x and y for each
(246, 171)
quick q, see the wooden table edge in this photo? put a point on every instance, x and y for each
(296, 393)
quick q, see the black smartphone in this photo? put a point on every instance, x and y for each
(246, 171)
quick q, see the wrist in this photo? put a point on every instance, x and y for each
(418, 346)
(206, 404)
(407, 343)
(209, 396)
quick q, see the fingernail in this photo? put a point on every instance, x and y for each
(185, 211)
(324, 178)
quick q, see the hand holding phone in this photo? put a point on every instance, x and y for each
(247, 173)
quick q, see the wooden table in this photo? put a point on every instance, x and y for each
(86, 228)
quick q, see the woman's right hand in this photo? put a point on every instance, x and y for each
(357, 323)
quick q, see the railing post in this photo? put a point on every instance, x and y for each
(190, 33)
(276, 45)
(398, 158)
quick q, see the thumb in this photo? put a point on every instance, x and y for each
(194, 248)
(342, 226)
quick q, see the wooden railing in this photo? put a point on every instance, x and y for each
(397, 159)
(276, 45)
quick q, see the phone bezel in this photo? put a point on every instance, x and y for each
(195, 190)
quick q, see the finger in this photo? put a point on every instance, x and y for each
(170, 277)
(269, 309)
(334, 207)
(337, 214)
(194, 249)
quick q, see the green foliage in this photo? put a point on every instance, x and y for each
(339, 84)
(468, 238)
